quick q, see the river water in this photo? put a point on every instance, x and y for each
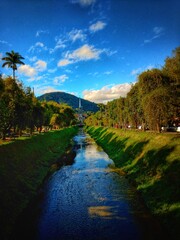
(89, 200)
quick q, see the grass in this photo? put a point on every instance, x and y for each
(151, 162)
(24, 164)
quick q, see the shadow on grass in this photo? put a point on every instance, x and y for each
(159, 183)
(153, 174)
(117, 148)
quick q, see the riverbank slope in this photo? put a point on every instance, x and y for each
(151, 162)
(24, 164)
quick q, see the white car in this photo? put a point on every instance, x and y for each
(178, 129)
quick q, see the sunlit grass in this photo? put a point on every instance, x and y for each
(151, 161)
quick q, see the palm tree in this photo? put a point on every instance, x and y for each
(12, 59)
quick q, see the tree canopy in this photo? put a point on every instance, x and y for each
(11, 60)
(152, 102)
(21, 111)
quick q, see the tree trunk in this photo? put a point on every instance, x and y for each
(158, 127)
(13, 73)
(4, 135)
(143, 126)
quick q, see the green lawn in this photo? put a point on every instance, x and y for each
(151, 161)
(24, 164)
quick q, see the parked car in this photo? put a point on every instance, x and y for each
(178, 129)
(170, 129)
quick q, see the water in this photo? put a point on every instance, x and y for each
(89, 200)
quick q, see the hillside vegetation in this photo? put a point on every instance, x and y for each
(24, 164)
(151, 161)
(71, 100)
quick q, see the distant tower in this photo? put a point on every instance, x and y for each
(80, 112)
(80, 106)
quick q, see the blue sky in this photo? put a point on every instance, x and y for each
(94, 49)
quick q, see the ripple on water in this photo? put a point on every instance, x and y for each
(90, 200)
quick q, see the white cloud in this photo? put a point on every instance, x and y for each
(76, 34)
(32, 72)
(27, 71)
(109, 52)
(40, 66)
(59, 44)
(84, 53)
(39, 32)
(52, 70)
(32, 59)
(99, 25)
(136, 71)
(157, 32)
(68, 71)
(84, 3)
(64, 62)
(39, 89)
(1, 55)
(149, 67)
(107, 93)
(140, 70)
(60, 79)
(94, 74)
(5, 42)
(39, 46)
(108, 72)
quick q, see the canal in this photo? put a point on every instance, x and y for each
(90, 200)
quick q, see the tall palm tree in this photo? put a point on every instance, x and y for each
(11, 60)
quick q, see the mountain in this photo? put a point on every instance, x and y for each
(71, 100)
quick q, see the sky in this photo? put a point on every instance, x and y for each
(93, 49)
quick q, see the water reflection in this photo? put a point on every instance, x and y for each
(89, 200)
(105, 212)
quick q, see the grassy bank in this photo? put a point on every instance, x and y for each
(152, 163)
(24, 164)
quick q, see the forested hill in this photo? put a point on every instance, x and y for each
(71, 100)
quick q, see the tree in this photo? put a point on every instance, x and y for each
(133, 104)
(156, 108)
(11, 60)
(55, 120)
(172, 67)
(7, 106)
(172, 70)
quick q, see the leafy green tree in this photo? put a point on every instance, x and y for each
(38, 115)
(152, 102)
(133, 103)
(68, 113)
(172, 67)
(152, 79)
(151, 83)
(55, 120)
(1, 85)
(172, 70)
(156, 109)
(7, 106)
(11, 60)
(5, 116)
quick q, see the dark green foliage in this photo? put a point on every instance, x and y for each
(11, 60)
(71, 100)
(152, 103)
(21, 111)
(23, 166)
